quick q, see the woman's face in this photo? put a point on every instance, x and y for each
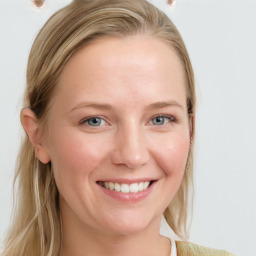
(119, 122)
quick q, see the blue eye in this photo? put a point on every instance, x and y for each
(94, 121)
(161, 120)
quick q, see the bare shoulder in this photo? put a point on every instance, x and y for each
(190, 249)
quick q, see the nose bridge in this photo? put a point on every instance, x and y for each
(131, 146)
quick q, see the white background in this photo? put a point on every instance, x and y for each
(221, 39)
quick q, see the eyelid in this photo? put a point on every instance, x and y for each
(84, 120)
(171, 118)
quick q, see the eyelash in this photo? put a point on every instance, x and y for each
(86, 120)
(170, 118)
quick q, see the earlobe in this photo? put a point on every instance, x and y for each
(31, 126)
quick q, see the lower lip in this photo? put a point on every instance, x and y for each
(129, 197)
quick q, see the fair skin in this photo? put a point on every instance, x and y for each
(119, 116)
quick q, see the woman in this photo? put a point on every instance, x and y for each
(109, 114)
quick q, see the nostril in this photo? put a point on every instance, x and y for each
(130, 148)
(130, 158)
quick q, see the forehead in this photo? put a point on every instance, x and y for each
(126, 65)
(127, 50)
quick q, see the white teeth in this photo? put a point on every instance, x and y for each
(111, 185)
(117, 187)
(145, 185)
(141, 187)
(106, 184)
(134, 188)
(126, 188)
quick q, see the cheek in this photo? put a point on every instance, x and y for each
(172, 154)
(73, 156)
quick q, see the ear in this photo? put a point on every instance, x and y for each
(31, 125)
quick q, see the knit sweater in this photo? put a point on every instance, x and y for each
(190, 249)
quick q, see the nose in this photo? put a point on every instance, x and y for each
(130, 148)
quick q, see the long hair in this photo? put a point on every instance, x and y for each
(36, 225)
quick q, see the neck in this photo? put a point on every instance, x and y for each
(83, 240)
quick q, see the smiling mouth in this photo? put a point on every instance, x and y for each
(126, 188)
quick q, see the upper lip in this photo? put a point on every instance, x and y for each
(127, 181)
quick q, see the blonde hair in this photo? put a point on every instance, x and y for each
(36, 227)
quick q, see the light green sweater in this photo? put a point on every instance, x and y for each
(190, 249)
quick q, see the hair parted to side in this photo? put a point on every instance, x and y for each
(36, 226)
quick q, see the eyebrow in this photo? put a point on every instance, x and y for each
(163, 104)
(92, 105)
(155, 105)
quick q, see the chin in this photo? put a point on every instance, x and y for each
(126, 230)
(130, 225)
